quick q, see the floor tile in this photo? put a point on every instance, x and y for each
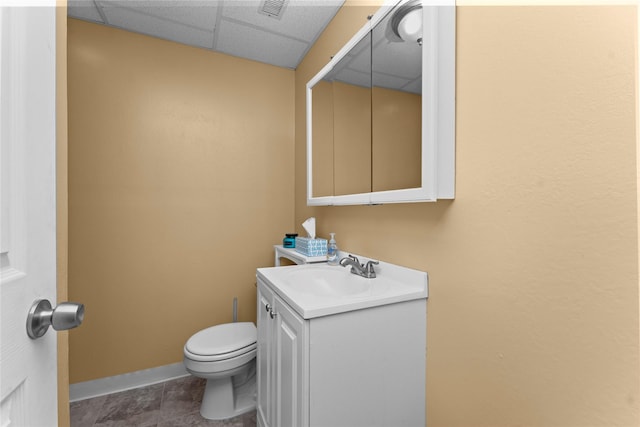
(139, 407)
(175, 403)
(84, 413)
(182, 396)
(196, 420)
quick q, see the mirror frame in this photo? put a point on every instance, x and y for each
(438, 111)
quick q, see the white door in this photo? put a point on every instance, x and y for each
(28, 390)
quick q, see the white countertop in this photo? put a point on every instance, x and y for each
(315, 290)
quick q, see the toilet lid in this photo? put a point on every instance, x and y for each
(222, 339)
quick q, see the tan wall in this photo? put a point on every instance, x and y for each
(533, 306)
(62, 212)
(180, 180)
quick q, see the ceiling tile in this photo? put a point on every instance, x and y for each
(398, 83)
(158, 27)
(296, 21)
(401, 59)
(354, 77)
(83, 9)
(248, 42)
(198, 14)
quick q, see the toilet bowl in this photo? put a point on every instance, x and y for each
(224, 355)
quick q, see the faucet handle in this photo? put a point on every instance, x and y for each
(369, 268)
(355, 258)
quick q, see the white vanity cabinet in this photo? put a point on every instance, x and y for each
(362, 367)
(282, 350)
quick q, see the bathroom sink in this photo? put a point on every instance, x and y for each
(315, 290)
(331, 281)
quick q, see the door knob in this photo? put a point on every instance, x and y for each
(67, 315)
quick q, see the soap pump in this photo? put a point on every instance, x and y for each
(332, 250)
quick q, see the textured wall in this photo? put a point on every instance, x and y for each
(180, 181)
(533, 303)
(62, 199)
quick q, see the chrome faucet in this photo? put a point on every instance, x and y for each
(359, 269)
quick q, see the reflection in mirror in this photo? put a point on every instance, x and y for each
(342, 108)
(397, 99)
(322, 134)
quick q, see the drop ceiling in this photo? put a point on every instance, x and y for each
(271, 31)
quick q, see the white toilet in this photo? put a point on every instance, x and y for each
(225, 355)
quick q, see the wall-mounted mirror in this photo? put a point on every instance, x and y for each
(381, 113)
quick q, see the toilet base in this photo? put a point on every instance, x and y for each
(218, 402)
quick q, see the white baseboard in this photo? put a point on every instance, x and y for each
(102, 386)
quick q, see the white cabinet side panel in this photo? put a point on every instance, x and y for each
(368, 367)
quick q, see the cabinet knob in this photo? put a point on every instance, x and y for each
(269, 309)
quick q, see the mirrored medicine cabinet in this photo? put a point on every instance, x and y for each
(381, 113)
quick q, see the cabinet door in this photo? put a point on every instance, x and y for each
(265, 359)
(291, 367)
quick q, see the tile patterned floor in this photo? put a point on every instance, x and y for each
(174, 403)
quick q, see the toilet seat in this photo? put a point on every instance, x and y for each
(222, 342)
(219, 357)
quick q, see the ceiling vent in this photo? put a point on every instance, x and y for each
(272, 8)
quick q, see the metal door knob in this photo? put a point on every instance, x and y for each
(67, 315)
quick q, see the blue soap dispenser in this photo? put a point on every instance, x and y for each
(332, 250)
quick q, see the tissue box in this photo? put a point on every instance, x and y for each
(311, 247)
